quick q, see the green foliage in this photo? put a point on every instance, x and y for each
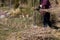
(24, 1)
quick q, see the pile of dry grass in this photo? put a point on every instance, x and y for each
(38, 33)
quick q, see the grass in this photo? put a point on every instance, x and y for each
(12, 25)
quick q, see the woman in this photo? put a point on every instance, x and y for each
(45, 4)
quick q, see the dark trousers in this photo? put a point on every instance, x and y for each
(46, 19)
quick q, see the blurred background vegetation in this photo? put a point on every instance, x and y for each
(21, 16)
(24, 8)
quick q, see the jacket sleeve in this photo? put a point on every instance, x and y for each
(44, 2)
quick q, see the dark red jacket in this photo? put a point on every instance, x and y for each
(45, 4)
